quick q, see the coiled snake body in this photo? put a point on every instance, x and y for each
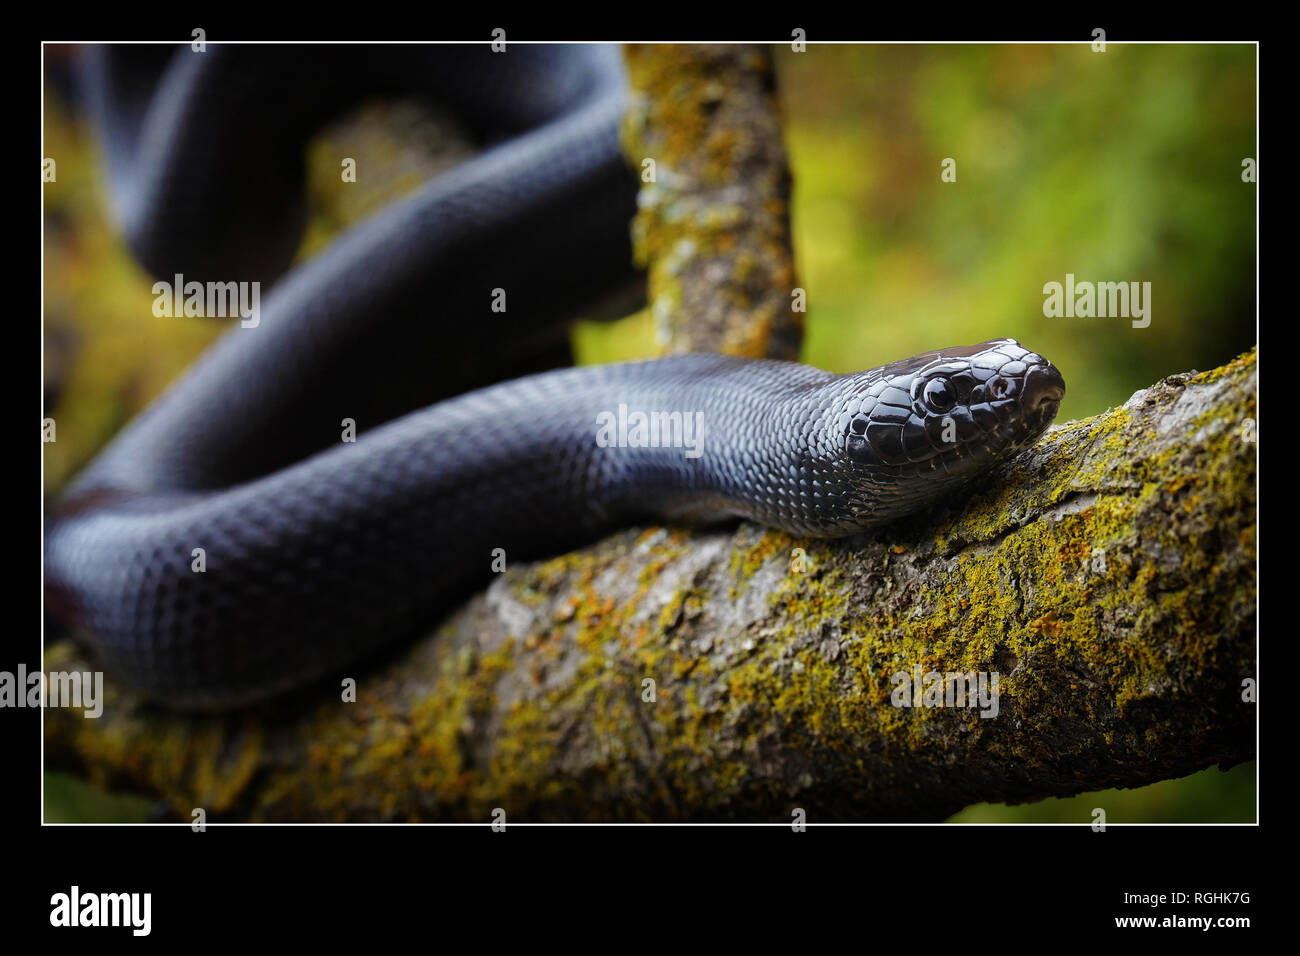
(317, 551)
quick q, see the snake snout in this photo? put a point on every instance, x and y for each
(1043, 390)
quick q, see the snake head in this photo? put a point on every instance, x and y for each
(912, 430)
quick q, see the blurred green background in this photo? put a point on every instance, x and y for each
(1115, 166)
(1118, 166)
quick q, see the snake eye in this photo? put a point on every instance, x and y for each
(939, 395)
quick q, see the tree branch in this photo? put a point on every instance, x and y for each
(713, 222)
(1107, 576)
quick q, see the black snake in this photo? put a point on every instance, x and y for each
(316, 551)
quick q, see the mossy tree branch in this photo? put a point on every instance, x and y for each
(1108, 576)
(713, 228)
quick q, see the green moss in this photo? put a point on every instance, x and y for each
(701, 247)
(1241, 365)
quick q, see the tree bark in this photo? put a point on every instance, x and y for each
(703, 130)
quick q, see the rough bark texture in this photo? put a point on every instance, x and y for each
(1108, 576)
(713, 227)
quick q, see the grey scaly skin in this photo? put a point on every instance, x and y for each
(318, 552)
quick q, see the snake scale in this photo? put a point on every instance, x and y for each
(318, 551)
